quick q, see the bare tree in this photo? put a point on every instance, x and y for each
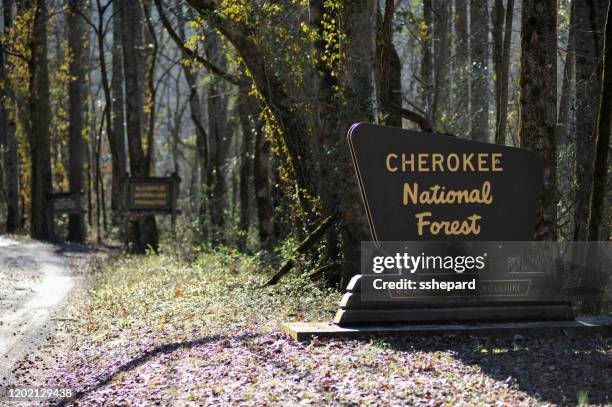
(538, 103)
(461, 111)
(442, 61)
(76, 102)
(589, 25)
(602, 139)
(479, 59)
(41, 217)
(8, 141)
(116, 137)
(502, 36)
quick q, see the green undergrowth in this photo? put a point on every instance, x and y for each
(218, 292)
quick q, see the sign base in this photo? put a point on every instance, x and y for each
(354, 311)
(305, 331)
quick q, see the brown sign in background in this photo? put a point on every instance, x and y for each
(152, 195)
(66, 202)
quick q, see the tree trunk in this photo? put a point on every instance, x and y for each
(461, 110)
(152, 48)
(538, 103)
(76, 102)
(263, 189)
(217, 129)
(501, 64)
(602, 142)
(143, 231)
(568, 75)
(8, 140)
(565, 166)
(245, 174)
(388, 67)
(497, 32)
(116, 139)
(41, 218)
(358, 23)
(427, 62)
(479, 58)
(502, 117)
(442, 61)
(588, 59)
(196, 114)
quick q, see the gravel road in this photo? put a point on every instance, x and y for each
(34, 285)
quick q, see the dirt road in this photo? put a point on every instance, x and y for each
(34, 285)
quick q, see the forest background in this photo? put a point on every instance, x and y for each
(249, 102)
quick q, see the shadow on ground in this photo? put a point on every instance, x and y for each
(145, 357)
(552, 369)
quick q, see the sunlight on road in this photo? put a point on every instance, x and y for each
(5, 241)
(23, 322)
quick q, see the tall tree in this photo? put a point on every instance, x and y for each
(263, 186)
(565, 99)
(388, 67)
(442, 59)
(245, 151)
(143, 231)
(357, 20)
(589, 25)
(8, 140)
(117, 136)
(76, 103)
(217, 106)
(41, 217)
(479, 59)
(602, 139)
(195, 108)
(461, 100)
(427, 60)
(502, 35)
(358, 23)
(538, 102)
(565, 145)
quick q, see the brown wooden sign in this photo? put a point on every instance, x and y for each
(448, 216)
(154, 195)
(66, 202)
(422, 186)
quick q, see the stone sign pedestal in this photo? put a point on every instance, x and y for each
(354, 311)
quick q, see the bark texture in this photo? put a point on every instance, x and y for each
(589, 26)
(76, 103)
(117, 137)
(602, 141)
(8, 140)
(479, 59)
(41, 217)
(388, 68)
(442, 62)
(538, 103)
(461, 99)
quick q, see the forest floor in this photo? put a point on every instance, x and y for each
(157, 329)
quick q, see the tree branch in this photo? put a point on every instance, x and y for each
(421, 121)
(303, 247)
(191, 53)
